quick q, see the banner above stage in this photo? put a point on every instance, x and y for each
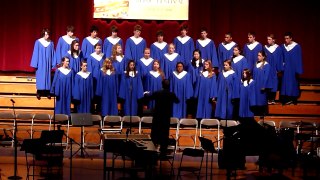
(142, 9)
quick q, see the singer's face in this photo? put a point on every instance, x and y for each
(98, 49)
(131, 66)
(76, 46)
(206, 65)
(108, 64)
(119, 49)
(147, 54)
(226, 66)
(196, 55)
(236, 51)
(156, 66)
(66, 63)
(179, 68)
(270, 41)
(84, 67)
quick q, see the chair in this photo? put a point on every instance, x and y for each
(195, 155)
(110, 125)
(97, 123)
(185, 127)
(25, 119)
(170, 155)
(174, 126)
(62, 120)
(131, 122)
(267, 122)
(45, 152)
(207, 127)
(208, 146)
(228, 123)
(40, 120)
(7, 121)
(145, 123)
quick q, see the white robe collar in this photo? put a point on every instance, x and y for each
(108, 72)
(252, 45)
(96, 56)
(131, 73)
(258, 65)
(272, 48)
(145, 61)
(155, 73)
(84, 75)
(227, 73)
(290, 46)
(93, 41)
(184, 39)
(180, 75)
(68, 39)
(171, 57)
(229, 45)
(44, 42)
(205, 73)
(119, 58)
(64, 71)
(160, 45)
(136, 40)
(204, 42)
(76, 56)
(237, 59)
(246, 83)
(113, 40)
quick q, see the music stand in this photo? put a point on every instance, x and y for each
(81, 120)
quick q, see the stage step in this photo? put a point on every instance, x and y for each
(299, 109)
(20, 79)
(18, 88)
(26, 102)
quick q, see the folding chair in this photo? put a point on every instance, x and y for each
(62, 120)
(207, 129)
(208, 146)
(7, 122)
(25, 119)
(267, 122)
(174, 126)
(40, 120)
(195, 155)
(145, 124)
(94, 129)
(110, 125)
(170, 155)
(188, 128)
(131, 122)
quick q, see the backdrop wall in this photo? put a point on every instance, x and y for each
(22, 21)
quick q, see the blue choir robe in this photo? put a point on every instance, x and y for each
(225, 51)
(107, 89)
(134, 48)
(205, 90)
(108, 43)
(62, 89)
(144, 66)
(194, 71)
(131, 89)
(95, 62)
(275, 59)
(83, 91)
(63, 46)
(42, 60)
(75, 61)
(158, 50)
(250, 51)
(227, 90)
(87, 45)
(292, 66)
(208, 50)
(260, 76)
(152, 83)
(184, 47)
(247, 99)
(238, 64)
(169, 63)
(181, 85)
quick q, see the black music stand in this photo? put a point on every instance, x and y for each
(81, 120)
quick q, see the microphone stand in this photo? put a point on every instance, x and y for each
(130, 125)
(15, 143)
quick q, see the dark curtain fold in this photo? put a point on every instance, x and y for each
(22, 20)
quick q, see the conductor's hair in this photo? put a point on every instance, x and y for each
(165, 84)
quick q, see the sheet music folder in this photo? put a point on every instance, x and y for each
(81, 119)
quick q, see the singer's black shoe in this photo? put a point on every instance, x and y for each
(38, 96)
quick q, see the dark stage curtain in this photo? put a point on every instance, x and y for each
(22, 21)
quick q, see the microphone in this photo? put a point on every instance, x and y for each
(12, 101)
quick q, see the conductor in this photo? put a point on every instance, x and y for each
(162, 113)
